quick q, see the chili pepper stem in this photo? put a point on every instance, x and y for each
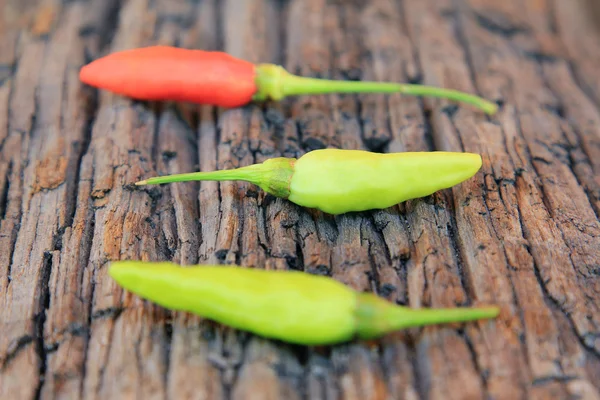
(421, 317)
(376, 316)
(276, 83)
(245, 174)
(273, 176)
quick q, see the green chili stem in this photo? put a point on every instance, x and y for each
(273, 176)
(247, 174)
(376, 316)
(276, 83)
(422, 317)
(301, 85)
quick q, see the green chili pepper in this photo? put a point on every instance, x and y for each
(291, 306)
(339, 181)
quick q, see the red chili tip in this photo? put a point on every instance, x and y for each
(170, 73)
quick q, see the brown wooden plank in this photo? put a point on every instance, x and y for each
(523, 233)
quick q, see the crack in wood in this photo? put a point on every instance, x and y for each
(4, 191)
(16, 346)
(40, 319)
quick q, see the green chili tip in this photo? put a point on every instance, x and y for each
(275, 83)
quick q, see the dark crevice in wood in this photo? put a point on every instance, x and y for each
(11, 92)
(15, 347)
(74, 329)
(262, 223)
(374, 144)
(240, 236)
(217, 124)
(167, 346)
(373, 273)
(220, 27)
(592, 367)
(453, 238)
(483, 374)
(81, 149)
(405, 260)
(281, 13)
(139, 363)
(219, 190)
(499, 24)
(402, 273)
(450, 110)
(421, 377)
(155, 148)
(552, 21)
(230, 374)
(540, 57)
(417, 78)
(370, 144)
(6, 71)
(299, 264)
(168, 249)
(300, 129)
(315, 370)
(111, 18)
(40, 319)
(289, 378)
(107, 313)
(87, 249)
(378, 231)
(553, 379)
(330, 231)
(4, 191)
(428, 133)
(383, 358)
(196, 164)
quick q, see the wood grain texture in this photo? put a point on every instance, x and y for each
(523, 233)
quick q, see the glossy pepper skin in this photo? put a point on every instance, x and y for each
(170, 73)
(216, 78)
(339, 181)
(291, 306)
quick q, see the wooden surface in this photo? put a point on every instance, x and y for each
(523, 233)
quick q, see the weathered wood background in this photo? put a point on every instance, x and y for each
(523, 233)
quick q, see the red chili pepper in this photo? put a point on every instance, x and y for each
(208, 77)
(170, 73)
